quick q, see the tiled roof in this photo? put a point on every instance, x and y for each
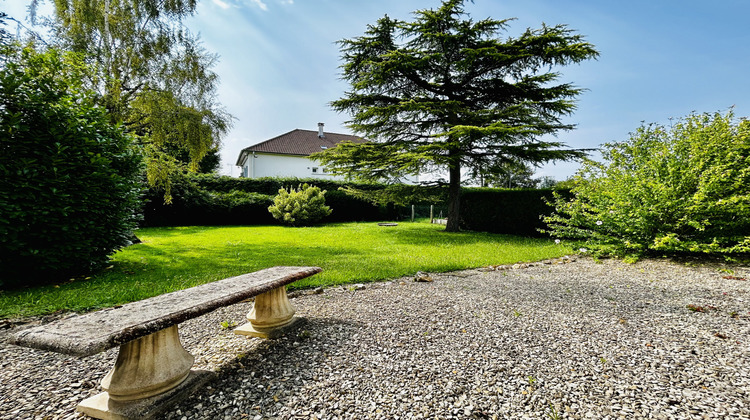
(299, 143)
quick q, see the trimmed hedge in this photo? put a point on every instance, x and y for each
(222, 200)
(192, 205)
(214, 200)
(513, 212)
(271, 186)
(351, 209)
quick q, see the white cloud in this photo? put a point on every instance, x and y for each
(221, 4)
(263, 6)
(287, 2)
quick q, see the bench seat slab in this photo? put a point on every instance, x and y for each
(94, 332)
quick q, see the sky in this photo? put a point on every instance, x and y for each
(660, 60)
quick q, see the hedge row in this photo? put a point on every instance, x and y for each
(271, 186)
(211, 200)
(513, 212)
(214, 200)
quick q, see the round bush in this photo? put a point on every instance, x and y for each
(70, 187)
(300, 207)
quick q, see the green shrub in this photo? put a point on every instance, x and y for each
(70, 186)
(679, 189)
(239, 207)
(300, 207)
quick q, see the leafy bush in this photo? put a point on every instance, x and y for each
(300, 207)
(679, 189)
(70, 186)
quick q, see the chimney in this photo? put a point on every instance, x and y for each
(320, 131)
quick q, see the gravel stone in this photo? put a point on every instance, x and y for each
(567, 338)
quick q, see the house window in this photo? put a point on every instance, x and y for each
(315, 170)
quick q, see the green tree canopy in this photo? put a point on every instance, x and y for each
(445, 92)
(505, 174)
(151, 73)
(4, 35)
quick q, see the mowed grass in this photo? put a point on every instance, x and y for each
(180, 257)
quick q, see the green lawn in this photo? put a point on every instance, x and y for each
(175, 258)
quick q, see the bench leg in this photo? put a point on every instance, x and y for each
(271, 314)
(150, 366)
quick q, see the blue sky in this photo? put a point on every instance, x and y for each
(279, 62)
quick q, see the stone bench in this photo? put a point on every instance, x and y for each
(153, 370)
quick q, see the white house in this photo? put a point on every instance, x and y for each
(288, 154)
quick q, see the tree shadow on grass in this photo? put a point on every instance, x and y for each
(441, 237)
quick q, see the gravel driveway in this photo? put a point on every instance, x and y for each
(576, 340)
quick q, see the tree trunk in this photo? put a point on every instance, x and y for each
(454, 198)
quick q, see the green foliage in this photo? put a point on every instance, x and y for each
(348, 208)
(684, 188)
(445, 92)
(222, 200)
(209, 164)
(505, 174)
(514, 212)
(271, 186)
(194, 205)
(70, 185)
(302, 206)
(549, 182)
(399, 194)
(151, 74)
(5, 37)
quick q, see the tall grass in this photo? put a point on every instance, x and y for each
(176, 258)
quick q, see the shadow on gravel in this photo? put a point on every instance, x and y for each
(275, 372)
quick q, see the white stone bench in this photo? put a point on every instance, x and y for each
(153, 370)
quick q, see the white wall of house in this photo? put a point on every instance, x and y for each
(284, 166)
(287, 166)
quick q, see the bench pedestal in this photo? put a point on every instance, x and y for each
(145, 372)
(271, 316)
(100, 406)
